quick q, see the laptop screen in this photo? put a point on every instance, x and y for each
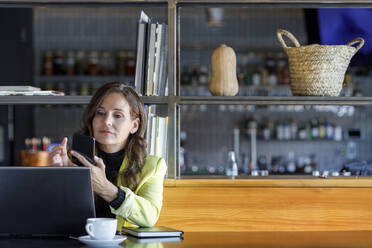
(45, 201)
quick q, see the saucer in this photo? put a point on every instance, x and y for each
(100, 243)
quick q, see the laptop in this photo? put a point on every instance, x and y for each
(45, 201)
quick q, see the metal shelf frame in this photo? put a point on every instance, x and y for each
(174, 100)
(277, 100)
(66, 100)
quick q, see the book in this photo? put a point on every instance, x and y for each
(163, 71)
(150, 59)
(31, 93)
(156, 231)
(19, 88)
(158, 41)
(160, 136)
(141, 58)
(141, 52)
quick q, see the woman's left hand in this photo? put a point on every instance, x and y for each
(101, 185)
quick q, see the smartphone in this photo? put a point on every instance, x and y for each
(85, 145)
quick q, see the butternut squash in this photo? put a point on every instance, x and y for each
(223, 81)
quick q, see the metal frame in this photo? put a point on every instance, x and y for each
(174, 100)
(278, 100)
(66, 100)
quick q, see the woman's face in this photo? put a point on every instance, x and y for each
(112, 123)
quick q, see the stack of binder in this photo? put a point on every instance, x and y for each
(151, 77)
(156, 134)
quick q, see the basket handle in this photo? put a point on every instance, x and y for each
(355, 41)
(281, 32)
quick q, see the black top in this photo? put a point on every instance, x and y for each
(113, 162)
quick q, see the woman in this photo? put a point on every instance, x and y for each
(128, 183)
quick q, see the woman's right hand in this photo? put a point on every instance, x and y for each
(58, 156)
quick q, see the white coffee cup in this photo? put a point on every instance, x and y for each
(101, 228)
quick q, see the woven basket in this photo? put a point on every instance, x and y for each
(317, 70)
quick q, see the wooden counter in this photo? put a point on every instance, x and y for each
(294, 182)
(333, 204)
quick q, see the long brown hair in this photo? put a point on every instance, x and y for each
(135, 149)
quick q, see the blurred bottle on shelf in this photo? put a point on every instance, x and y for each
(314, 129)
(291, 164)
(80, 63)
(70, 63)
(329, 130)
(106, 64)
(203, 76)
(282, 69)
(245, 164)
(73, 89)
(338, 133)
(61, 86)
(293, 129)
(231, 166)
(185, 76)
(194, 76)
(48, 63)
(84, 89)
(58, 63)
(270, 67)
(120, 62)
(93, 62)
(322, 128)
(130, 63)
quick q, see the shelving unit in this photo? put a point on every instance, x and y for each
(174, 100)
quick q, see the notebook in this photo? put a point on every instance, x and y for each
(156, 231)
(45, 201)
(154, 239)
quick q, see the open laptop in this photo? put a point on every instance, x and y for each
(45, 201)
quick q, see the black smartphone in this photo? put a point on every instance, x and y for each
(85, 145)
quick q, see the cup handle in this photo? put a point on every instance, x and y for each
(88, 228)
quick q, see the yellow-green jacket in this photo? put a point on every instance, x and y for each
(142, 207)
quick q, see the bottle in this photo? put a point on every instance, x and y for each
(48, 63)
(314, 128)
(58, 64)
(120, 62)
(309, 135)
(185, 76)
(70, 63)
(337, 134)
(203, 76)
(93, 62)
(322, 129)
(308, 169)
(291, 165)
(294, 129)
(130, 64)
(106, 63)
(80, 63)
(194, 76)
(329, 130)
(232, 167)
(271, 69)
